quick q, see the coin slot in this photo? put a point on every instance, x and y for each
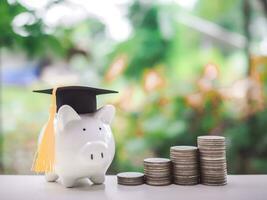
(102, 155)
(92, 157)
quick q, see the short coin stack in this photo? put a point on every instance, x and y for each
(157, 171)
(130, 178)
(212, 160)
(185, 165)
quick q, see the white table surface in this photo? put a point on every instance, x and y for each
(251, 187)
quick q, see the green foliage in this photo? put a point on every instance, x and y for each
(8, 12)
(147, 47)
(227, 14)
(36, 42)
(151, 130)
(189, 103)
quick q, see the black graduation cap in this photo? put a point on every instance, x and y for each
(81, 98)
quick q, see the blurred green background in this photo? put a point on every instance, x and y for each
(183, 69)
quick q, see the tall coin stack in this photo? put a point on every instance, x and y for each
(157, 171)
(185, 165)
(212, 160)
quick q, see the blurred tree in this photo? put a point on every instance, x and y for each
(147, 47)
(31, 36)
(178, 112)
(169, 93)
(24, 30)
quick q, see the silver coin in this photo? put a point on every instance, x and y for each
(158, 183)
(130, 175)
(215, 184)
(211, 137)
(156, 160)
(183, 148)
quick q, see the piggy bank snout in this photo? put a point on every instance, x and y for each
(95, 152)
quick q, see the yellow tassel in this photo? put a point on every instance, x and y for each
(45, 156)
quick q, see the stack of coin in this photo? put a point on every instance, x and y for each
(130, 178)
(185, 165)
(157, 171)
(212, 160)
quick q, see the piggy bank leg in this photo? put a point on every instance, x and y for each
(51, 177)
(98, 178)
(67, 181)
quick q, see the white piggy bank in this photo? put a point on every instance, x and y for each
(84, 145)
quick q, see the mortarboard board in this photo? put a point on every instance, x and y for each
(81, 98)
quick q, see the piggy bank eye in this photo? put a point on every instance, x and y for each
(84, 129)
(100, 128)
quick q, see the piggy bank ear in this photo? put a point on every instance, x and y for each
(106, 113)
(65, 115)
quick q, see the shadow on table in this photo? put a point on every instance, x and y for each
(87, 185)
